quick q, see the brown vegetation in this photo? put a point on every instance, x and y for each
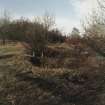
(43, 67)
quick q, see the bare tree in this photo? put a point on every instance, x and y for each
(95, 34)
(75, 33)
(48, 20)
(4, 22)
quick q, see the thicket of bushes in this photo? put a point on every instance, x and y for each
(34, 35)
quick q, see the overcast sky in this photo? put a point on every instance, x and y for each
(68, 13)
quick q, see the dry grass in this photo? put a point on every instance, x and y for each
(21, 83)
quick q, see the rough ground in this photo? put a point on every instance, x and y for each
(23, 84)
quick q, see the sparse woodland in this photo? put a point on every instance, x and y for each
(39, 65)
